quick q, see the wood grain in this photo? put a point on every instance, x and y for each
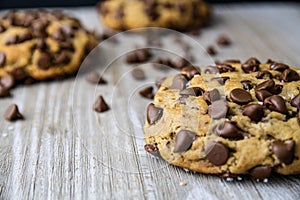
(63, 150)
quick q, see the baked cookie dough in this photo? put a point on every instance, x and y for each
(175, 14)
(42, 45)
(235, 118)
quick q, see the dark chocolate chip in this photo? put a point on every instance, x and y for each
(62, 58)
(179, 82)
(12, 113)
(100, 105)
(19, 74)
(278, 66)
(252, 61)
(231, 61)
(4, 92)
(262, 94)
(247, 85)
(152, 150)
(153, 113)
(95, 78)
(284, 151)
(190, 72)
(228, 130)
(2, 28)
(193, 91)
(7, 81)
(211, 51)
(67, 30)
(264, 74)
(162, 63)
(221, 80)
(269, 61)
(296, 101)
(150, 9)
(225, 68)
(223, 40)
(254, 111)
(240, 96)
(138, 74)
(211, 70)
(266, 85)
(217, 153)
(44, 61)
(41, 44)
(59, 35)
(66, 45)
(11, 40)
(2, 59)
(181, 63)
(261, 172)
(289, 75)
(218, 109)
(276, 103)
(147, 92)
(249, 68)
(214, 95)
(138, 56)
(24, 37)
(183, 140)
(276, 89)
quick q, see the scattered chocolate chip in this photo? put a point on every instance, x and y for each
(100, 105)
(276, 103)
(261, 172)
(221, 80)
(4, 92)
(223, 40)
(162, 63)
(2, 59)
(153, 113)
(218, 109)
(228, 130)
(193, 91)
(247, 85)
(179, 82)
(138, 74)
(249, 68)
(12, 113)
(254, 111)
(264, 74)
(296, 101)
(261, 95)
(62, 58)
(252, 61)
(7, 81)
(278, 66)
(147, 92)
(284, 151)
(95, 78)
(181, 63)
(190, 72)
(211, 51)
(289, 75)
(44, 61)
(152, 150)
(138, 56)
(217, 153)
(225, 68)
(183, 140)
(211, 70)
(240, 96)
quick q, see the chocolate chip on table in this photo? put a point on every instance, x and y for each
(289, 75)
(153, 113)
(249, 68)
(264, 74)
(276, 103)
(12, 113)
(218, 109)
(228, 130)
(240, 96)
(138, 74)
(217, 153)
(254, 111)
(161, 63)
(44, 61)
(221, 80)
(138, 56)
(4, 92)
(211, 51)
(278, 66)
(247, 85)
(179, 82)
(296, 101)
(2, 59)
(152, 150)
(261, 95)
(190, 72)
(184, 140)
(230, 61)
(284, 150)
(7, 81)
(260, 172)
(193, 91)
(223, 40)
(225, 68)
(181, 63)
(147, 92)
(95, 78)
(100, 105)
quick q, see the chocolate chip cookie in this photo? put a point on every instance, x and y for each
(234, 118)
(42, 45)
(175, 14)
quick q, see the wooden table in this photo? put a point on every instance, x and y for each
(63, 150)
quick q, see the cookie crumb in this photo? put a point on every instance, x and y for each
(183, 183)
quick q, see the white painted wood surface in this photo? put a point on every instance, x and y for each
(63, 150)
